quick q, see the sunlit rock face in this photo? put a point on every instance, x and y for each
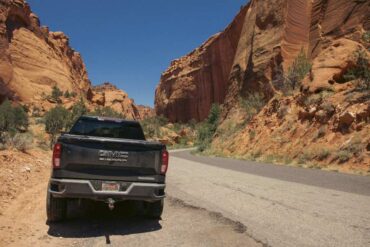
(259, 45)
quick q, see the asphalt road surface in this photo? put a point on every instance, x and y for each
(278, 205)
(211, 202)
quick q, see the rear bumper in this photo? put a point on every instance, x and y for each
(75, 188)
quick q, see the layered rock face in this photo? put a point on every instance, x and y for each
(108, 95)
(262, 42)
(33, 59)
(192, 83)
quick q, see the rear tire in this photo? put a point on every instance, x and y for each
(56, 208)
(154, 210)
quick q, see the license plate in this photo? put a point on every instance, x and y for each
(110, 186)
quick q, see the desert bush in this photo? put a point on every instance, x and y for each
(78, 109)
(360, 72)
(73, 94)
(297, 72)
(56, 93)
(36, 112)
(252, 104)
(320, 132)
(106, 111)
(207, 129)
(12, 118)
(343, 156)
(151, 126)
(20, 141)
(67, 94)
(323, 154)
(56, 120)
(366, 37)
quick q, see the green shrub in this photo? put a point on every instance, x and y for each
(366, 36)
(151, 126)
(20, 141)
(360, 72)
(323, 154)
(207, 129)
(73, 94)
(67, 94)
(78, 109)
(296, 73)
(12, 118)
(252, 104)
(56, 120)
(56, 93)
(343, 156)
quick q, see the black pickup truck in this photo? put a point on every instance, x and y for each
(107, 159)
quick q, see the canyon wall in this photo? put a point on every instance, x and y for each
(33, 60)
(192, 83)
(263, 41)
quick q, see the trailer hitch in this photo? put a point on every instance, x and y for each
(110, 203)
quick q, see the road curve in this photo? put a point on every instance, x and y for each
(279, 205)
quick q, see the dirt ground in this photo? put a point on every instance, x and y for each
(23, 216)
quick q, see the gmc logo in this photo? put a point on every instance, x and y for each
(113, 155)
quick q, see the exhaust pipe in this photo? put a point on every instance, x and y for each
(111, 202)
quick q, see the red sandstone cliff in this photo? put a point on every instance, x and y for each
(192, 83)
(33, 60)
(253, 51)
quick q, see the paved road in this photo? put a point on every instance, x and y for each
(279, 205)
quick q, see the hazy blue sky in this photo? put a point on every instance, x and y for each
(131, 42)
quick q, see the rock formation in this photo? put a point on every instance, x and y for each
(109, 95)
(192, 83)
(253, 53)
(33, 60)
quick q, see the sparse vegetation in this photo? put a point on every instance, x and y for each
(56, 121)
(77, 111)
(323, 154)
(290, 82)
(12, 118)
(360, 72)
(106, 111)
(19, 141)
(67, 94)
(207, 129)
(296, 73)
(56, 93)
(151, 126)
(252, 104)
(366, 36)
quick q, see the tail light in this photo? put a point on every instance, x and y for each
(165, 158)
(57, 152)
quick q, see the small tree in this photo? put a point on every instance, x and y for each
(20, 118)
(361, 71)
(12, 118)
(208, 128)
(297, 72)
(67, 94)
(55, 122)
(77, 111)
(56, 93)
(6, 116)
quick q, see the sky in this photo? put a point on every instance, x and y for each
(131, 42)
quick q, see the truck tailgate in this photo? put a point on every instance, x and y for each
(99, 158)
